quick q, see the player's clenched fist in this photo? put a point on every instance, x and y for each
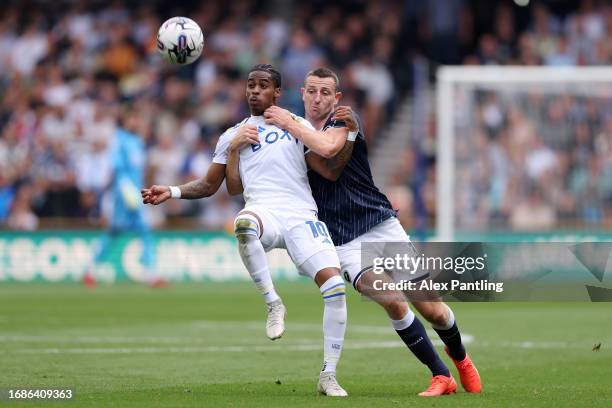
(155, 195)
(345, 114)
(245, 136)
(278, 116)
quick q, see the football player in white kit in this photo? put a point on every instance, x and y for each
(281, 213)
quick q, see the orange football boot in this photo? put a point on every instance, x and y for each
(440, 385)
(470, 379)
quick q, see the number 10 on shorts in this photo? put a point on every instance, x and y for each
(318, 228)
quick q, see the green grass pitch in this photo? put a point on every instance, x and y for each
(204, 345)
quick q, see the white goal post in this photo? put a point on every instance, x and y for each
(450, 79)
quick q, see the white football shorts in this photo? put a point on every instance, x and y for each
(302, 234)
(350, 254)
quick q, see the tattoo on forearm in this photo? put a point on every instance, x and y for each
(194, 189)
(338, 162)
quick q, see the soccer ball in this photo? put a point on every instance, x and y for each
(180, 40)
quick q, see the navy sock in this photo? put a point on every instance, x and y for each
(452, 338)
(417, 341)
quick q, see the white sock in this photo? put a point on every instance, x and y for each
(404, 322)
(254, 259)
(449, 323)
(334, 321)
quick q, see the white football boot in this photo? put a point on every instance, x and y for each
(275, 323)
(328, 385)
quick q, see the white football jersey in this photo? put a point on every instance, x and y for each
(273, 172)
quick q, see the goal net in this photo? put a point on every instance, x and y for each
(523, 150)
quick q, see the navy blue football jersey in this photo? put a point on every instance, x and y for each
(352, 205)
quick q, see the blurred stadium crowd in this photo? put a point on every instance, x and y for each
(66, 67)
(541, 158)
(536, 160)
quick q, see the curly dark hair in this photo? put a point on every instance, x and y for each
(274, 74)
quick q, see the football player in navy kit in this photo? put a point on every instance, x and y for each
(355, 211)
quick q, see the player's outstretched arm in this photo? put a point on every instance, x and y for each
(200, 188)
(326, 144)
(332, 168)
